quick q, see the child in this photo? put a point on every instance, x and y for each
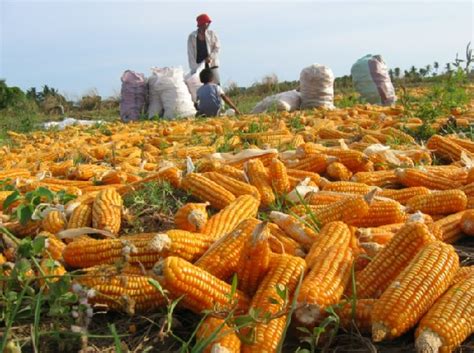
(210, 96)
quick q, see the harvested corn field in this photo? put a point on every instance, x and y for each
(339, 229)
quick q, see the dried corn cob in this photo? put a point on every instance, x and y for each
(221, 223)
(392, 260)
(222, 258)
(295, 228)
(51, 271)
(358, 313)
(347, 187)
(467, 222)
(418, 177)
(144, 248)
(113, 177)
(284, 272)
(200, 290)
(127, 289)
(236, 187)
(86, 171)
(81, 216)
(333, 233)
(323, 197)
(23, 230)
(259, 177)
(414, 291)
(324, 284)
(445, 148)
(191, 217)
(382, 178)
(449, 227)
(378, 235)
(207, 190)
(449, 321)
(462, 274)
(381, 213)
(226, 340)
(403, 195)
(280, 243)
(439, 202)
(14, 173)
(338, 171)
(61, 168)
(54, 222)
(316, 163)
(107, 211)
(279, 177)
(468, 189)
(254, 260)
(470, 176)
(353, 160)
(301, 175)
(54, 246)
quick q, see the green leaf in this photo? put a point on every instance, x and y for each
(24, 213)
(157, 285)
(273, 301)
(282, 291)
(304, 330)
(233, 289)
(38, 245)
(14, 196)
(46, 193)
(243, 321)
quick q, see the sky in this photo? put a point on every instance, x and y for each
(80, 45)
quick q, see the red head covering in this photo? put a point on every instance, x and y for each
(203, 19)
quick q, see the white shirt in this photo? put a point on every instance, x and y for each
(213, 48)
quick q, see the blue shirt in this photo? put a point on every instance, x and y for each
(209, 99)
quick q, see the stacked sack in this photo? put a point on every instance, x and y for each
(317, 87)
(133, 95)
(286, 101)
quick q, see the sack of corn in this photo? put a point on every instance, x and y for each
(133, 95)
(317, 87)
(284, 101)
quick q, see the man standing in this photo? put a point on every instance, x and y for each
(203, 46)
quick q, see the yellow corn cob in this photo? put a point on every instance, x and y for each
(232, 172)
(470, 176)
(279, 177)
(191, 217)
(301, 175)
(399, 135)
(52, 271)
(107, 211)
(450, 227)
(14, 173)
(352, 159)
(207, 190)
(462, 274)
(417, 177)
(414, 291)
(392, 259)
(65, 182)
(316, 163)
(172, 175)
(297, 140)
(309, 148)
(81, 216)
(455, 173)
(439, 202)
(20, 230)
(61, 168)
(294, 228)
(323, 197)
(259, 177)
(54, 222)
(467, 222)
(445, 148)
(347, 187)
(144, 248)
(86, 171)
(378, 235)
(221, 223)
(360, 317)
(468, 189)
(200, 290)
(127, 289)
(463, 142)
(284, 272)
(226, 340)
(328, 133)
(222, 258)
(403, 195)
(449, 321)
(280, 243)
(113, 177)
(236, 187)
(54, 246)
(333, 233)
(382, 178)
(381, 213)
(324, 284)
(254, 260)
(338, 171)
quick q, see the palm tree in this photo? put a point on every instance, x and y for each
(436, 66)
(396, 71)
(390, 73)
(448, 67)
(428, 69)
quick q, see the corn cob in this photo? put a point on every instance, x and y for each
(20, 230)
(449, 321)
(236, 187)
(294, 228)
(207, 190)
(113, 177)
(352, 159)
(328, 133)
(468, 189)
(191, 217)
(449, 227)
(86, 171)
(222, 258)
(382, 178)
(280, 243)
(414, 291)
(347, 187)
(223, 222)
(417, 177)
(144, 248)
(378, 235)
(467, 222)
(259, 177)
(323, 197)
(360, 317)
(463, 142)
(403, 195)
(200, 290)
(127, 289)
(254, 260)
(333, 233)
(107, 211)
(316, 163)
(338, 171)
(324, 284)
(463, 273)
(54, 246)
(61, 168)
(232, 172)
(279, 177)
(309, 148)
(51, 271)
(54, 222)
(392, 260)
(470, 176)
(440, 202)
(226, 340)
(81, 216)
(284, 272)
(371, 249)
(445, 148)
(301, 175)
(381, 213)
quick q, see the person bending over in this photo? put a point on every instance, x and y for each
(210, 96)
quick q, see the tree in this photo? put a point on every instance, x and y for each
(390, 73)
(428, 69)
(436, 66)
(448, 68)
(396, 72)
